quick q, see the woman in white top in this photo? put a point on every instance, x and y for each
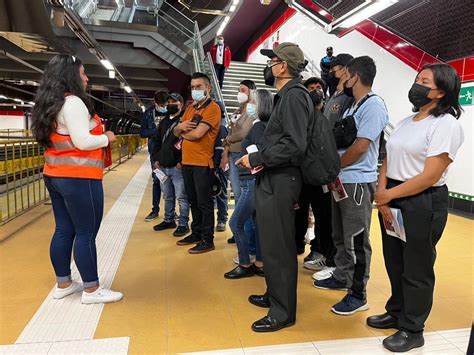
(412, 182)
(64, 122)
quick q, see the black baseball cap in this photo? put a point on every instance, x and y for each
(176, 97)
(288, 52)
(341, 59)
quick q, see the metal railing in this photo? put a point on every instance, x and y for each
(21, 172)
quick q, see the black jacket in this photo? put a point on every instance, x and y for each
(284, 141)
(164, 151)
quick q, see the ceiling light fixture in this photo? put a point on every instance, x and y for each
(223, 25)
(107, 64)
(127, 89)
(111, 74)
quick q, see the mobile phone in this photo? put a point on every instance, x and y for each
(196, 119)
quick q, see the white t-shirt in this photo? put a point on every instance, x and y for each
(412, 142)
(74, 120)
(220, 54)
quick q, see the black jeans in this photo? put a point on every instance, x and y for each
(220, 71)
(197, 182)
(277, 193)
(410, 265)
(321, 204)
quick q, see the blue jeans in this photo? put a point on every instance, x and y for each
(244, 211)
(78, 206)
(234, 175)
(235, 182)
(156, 194)
(173, 189)
(222, 203)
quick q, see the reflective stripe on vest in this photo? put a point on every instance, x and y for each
(63, 145)
(74, 161)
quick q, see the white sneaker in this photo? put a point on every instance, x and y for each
(252, 259)
(101, 295)
(63, 292)
(324, 274)
(317, 264)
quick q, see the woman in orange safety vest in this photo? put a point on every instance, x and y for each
(64, 122)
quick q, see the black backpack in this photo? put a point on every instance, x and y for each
(321, 163)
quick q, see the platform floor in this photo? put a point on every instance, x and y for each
(178, 303)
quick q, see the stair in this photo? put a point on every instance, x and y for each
(237, 72)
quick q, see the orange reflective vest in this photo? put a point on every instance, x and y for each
(63, 159)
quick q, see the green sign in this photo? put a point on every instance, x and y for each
(465, 96)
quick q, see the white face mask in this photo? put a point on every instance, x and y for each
(220, 41)
(242, 97)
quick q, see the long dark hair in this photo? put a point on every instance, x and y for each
(60, 76)
(446, 79)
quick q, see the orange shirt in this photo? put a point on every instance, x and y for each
(200, 152)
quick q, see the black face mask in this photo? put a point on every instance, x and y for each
(173, 109)
(269, 77)
(348, 91)
(418, 95)
(317, 96)
(329, 54)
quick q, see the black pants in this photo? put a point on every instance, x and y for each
(220, 71)
(321, 204)
(277, 193)
(197, 182)
(410, 265)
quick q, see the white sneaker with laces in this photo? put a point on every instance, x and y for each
(101, 295)
(252, 259)
(324, 274)
(63, 292)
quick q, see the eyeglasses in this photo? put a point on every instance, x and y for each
(271, 62)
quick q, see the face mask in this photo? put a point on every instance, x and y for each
(418, 95)
(172, 109)
(329, 54)
(242, 98)
(317, 96)
(269, 77)
(162, 109)
(251, 110)
(198, 95)
(220, 41)
(348, 91)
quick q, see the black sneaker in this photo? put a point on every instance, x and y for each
(165, 225)
(201, 248)
(181, 231)
(190, 239)
(151, 216)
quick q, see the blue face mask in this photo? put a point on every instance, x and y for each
(162, 109)
(251, 110)
(198, 95)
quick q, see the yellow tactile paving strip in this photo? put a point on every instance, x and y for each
(175, 302)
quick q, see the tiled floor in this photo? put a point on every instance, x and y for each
(175, 302)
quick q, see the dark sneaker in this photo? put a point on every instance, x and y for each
(201, 248)
(151, 216)
(350, 305)
(190, 239)
(231, 240)
(165, 225)
(330, 284)
(221, 227)
(181, 231)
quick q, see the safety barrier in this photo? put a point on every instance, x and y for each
(21, 167)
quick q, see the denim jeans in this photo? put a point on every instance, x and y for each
(78, 206)
(244, 211)
(222, 203)
(173, 189)
(156, 194)
(234, 175)
(249, 226)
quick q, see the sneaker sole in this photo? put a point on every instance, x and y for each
(328, 288)
(149, 220)
(180, 234)
(201, 251)
(163, 229)
(94, 302)
(187, 243)
(360, 309)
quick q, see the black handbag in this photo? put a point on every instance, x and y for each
(345, 130)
